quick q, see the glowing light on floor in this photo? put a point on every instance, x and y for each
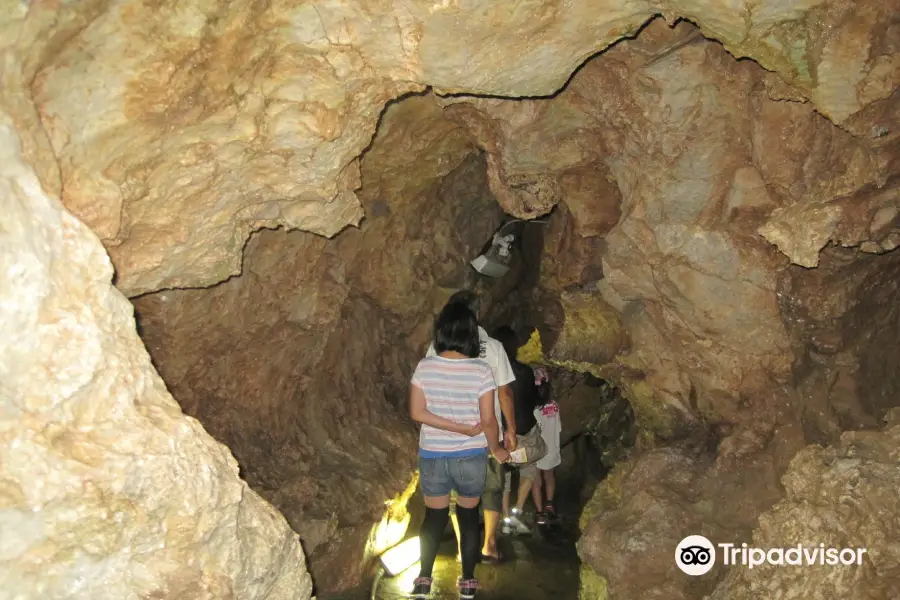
(388, 532)
(405, 580)
(401, 557)
(394, 523)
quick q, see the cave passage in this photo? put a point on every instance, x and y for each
(598, 430)
(662, 267)
(541, 564)
(282, 195)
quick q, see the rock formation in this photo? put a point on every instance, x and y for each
(300, 364)
(721, 246)
(842, 496)
(723, 337)
(843, 323)
(107, 489)
(683, 255)
(646, 506)
(721, 333)
(192, 125)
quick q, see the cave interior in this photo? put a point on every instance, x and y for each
(213, 320)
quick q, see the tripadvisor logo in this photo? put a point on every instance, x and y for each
(696, 555)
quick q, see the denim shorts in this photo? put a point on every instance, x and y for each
(440, 476)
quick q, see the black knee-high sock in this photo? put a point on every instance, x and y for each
(469, 531)
(430, 537)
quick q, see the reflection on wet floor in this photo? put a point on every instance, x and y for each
(541, 565)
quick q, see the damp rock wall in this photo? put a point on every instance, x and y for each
(671, 160)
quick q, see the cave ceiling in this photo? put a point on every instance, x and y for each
(189, 126)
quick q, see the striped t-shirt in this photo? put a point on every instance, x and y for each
(452, 388)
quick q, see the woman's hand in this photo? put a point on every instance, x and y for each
(470, 430)
(501, 454)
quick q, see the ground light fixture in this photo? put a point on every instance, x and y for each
(401, 557)
(395, 561)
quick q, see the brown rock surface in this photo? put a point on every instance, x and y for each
(591, 332)
(717, 324)
(573, 252)
(709, 485)
(191, 125)
(638, 515)
(695, 291)
(844, 321)
(176, 130)
(695, 288)
(300, 364)
(842, 496)
(107, 490)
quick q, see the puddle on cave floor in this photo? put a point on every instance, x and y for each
(537, 566)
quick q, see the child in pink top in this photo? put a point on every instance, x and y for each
(547, 415)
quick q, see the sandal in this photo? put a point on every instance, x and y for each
(492, 560)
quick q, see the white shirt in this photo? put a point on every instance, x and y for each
(495, 355)
(551, 426)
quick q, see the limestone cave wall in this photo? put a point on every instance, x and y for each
(697, 151)
(733, 358)
(843, 322)
(300, 364)
(107, 490)
(720, 246)
(178, 129)
(839, 496)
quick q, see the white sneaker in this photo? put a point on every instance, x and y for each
(514, 525)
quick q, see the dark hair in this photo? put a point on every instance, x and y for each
(467, 298)
(544, 394)
(506, 336)
(456, 330)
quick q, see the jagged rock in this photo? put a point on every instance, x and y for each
(844, 324)
(191, 125)
(571, 256)
(695, 289)
(591, 333)
(174, 130)
(843, 496)
(839, 208)
(648, 504)
(802, 230)
(301, 364)
(108, 490)
(703, 288)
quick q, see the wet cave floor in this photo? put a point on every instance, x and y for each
(540, 565)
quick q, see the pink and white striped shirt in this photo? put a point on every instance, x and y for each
(452, 388)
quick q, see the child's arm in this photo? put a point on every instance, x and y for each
(420, 414)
